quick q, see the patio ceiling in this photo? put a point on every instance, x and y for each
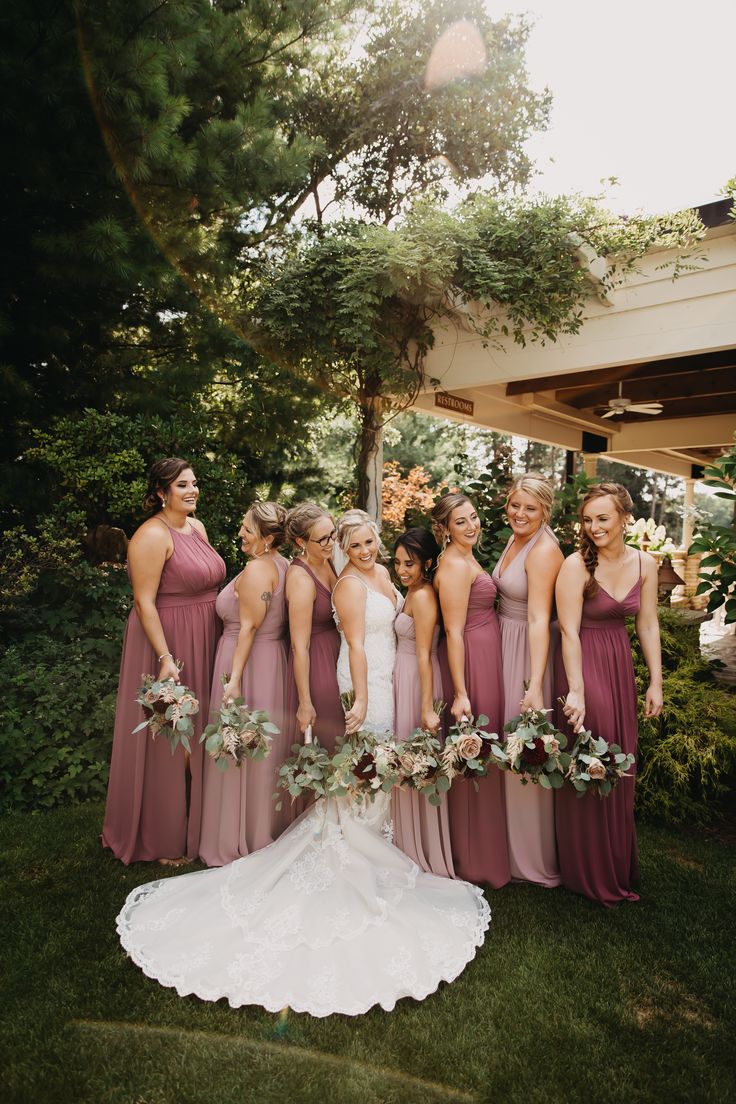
(655, 339)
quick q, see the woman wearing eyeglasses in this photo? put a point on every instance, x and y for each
(315, 642)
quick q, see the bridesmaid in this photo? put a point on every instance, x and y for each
(238, 814)
(525, 577)
(175, 574)
(470, 661)
(422, 830)
(598, 587)
(313, 694)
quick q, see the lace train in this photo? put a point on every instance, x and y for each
(329, 918)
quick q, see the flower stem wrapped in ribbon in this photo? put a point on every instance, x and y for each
(533, 749)
(169, 707)
(238, 733)
(307, 770)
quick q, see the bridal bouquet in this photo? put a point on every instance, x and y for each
(365, 764)
(308, 770)
(469, 749)
(533, 749)
(169, 707)
(597, 765)
(239, 733)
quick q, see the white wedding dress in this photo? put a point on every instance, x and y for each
(331, 917)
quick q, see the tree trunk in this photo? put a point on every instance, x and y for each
(370, 457)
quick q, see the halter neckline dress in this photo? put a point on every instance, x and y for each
(146, 815)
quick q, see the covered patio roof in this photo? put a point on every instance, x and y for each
(654, 339)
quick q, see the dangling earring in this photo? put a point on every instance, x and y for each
(445, 540)
(164, 500)
(302, 549)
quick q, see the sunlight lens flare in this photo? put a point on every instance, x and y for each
(459, 52)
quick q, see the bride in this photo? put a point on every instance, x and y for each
(331, 917)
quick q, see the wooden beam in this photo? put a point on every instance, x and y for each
(716, 381)
(698, 362)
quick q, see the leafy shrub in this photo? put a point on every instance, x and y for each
(687, 756)
(59, 683)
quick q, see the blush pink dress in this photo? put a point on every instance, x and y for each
(596, 836)
(421, 830)
(238, 814)
(530, 813)
(478, 818)
(146, 811)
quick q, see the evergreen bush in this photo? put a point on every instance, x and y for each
(687, 756)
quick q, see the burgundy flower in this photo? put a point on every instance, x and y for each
(365, 767)
(537, 755)
(160, 707)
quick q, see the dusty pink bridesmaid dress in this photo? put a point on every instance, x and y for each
(146, 812)
(478, 819)
(238, 814)
(530, 811)
(596, 836)
(421, 830)
(324, 648)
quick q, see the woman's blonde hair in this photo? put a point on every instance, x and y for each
(586, 545)
(356, 519)
(301, 519)
(269, 520)
(537, 485)
(442, 511)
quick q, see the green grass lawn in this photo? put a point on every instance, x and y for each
(565, 1002)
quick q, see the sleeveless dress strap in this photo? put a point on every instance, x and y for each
(640, 576)
(342, 577)
(298, 562)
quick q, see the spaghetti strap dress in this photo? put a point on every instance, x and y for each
(530, 811)
(421, 830)
(596, 836)
(146, 812)
(238, 814)
(478, 818)
(324, 648)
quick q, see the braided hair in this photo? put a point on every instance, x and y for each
(586, 545)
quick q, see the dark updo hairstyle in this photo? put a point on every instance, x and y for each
(586, 545)
(421, 546)
(160, 477)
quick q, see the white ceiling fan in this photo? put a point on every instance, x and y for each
(622, 405)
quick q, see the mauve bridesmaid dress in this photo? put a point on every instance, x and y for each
(238, 814)
(530, 811)
(421, 830)
(596, 836)
(324, 648)
(478, 818)
(146, 812)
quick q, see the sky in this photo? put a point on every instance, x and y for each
(642, 90)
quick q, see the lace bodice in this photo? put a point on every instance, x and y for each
(380, 654)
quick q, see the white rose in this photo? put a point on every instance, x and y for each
(596, 769)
